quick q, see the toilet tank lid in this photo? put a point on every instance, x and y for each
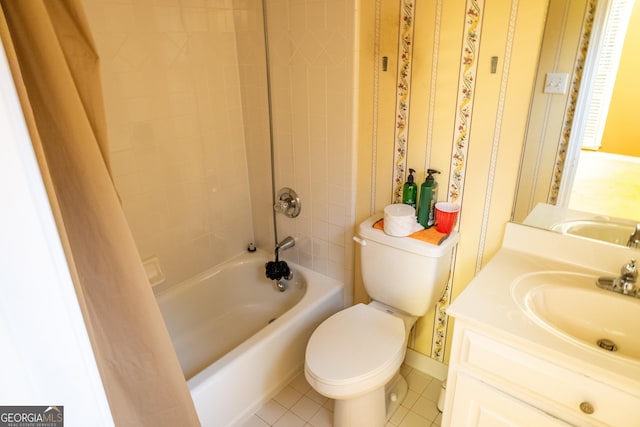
(408, 244)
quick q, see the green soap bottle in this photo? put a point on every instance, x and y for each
(428, 199)
(410, 190)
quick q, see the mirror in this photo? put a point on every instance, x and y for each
(580, 173)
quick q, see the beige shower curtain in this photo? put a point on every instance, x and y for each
(55, 68)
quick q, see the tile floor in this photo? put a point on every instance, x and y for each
(298, 405)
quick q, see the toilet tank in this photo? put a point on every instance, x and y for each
(404, 272)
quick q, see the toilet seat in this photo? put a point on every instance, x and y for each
(355, 351)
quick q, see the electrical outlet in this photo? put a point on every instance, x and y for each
(556, 83)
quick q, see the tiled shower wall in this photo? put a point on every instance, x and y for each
(311, 48)
(187, 113)
(177, 143)
(252, 68)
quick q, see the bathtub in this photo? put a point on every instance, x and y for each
(238, 339)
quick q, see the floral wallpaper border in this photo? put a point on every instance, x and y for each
(581, 56)
(376, 105)
(464, 107)
(403, 95)
(497, 132)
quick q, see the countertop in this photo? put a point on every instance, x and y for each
(487, 301)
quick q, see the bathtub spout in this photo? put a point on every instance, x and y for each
(277, 270)
(287, 243)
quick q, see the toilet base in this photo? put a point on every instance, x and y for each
(372, 409)
(395, 392)
(366, 410)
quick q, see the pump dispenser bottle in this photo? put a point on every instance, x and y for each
(410, 190)
(428, 199)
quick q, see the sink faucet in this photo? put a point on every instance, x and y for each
(634, 238)
(624, 284)
(628, 277)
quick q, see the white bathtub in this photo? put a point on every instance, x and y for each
(238, 339)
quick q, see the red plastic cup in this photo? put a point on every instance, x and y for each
(446, 216)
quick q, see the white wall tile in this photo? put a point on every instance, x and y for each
(310, 112)
(186, 107)
(165, 79)
(196, 19)
(168, 19)
(117, 18)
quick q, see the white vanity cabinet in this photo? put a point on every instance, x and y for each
(492, 383)
(509, 368)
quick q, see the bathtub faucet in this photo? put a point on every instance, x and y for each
(277, 270)
(287, 243)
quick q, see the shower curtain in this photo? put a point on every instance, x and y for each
(55, 69)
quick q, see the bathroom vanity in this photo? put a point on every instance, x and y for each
(534, 337)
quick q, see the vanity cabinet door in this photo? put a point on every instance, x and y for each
(555, 389)
(478, 404)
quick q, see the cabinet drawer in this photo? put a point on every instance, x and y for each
(554, 389)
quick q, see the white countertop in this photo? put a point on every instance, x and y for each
(487, 301)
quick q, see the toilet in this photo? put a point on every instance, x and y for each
(355, 355)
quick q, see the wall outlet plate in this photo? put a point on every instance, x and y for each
(556, 83)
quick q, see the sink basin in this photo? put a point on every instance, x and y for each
(611, 231)
(572, 307)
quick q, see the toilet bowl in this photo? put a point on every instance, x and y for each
(352, 356)
(355, 355)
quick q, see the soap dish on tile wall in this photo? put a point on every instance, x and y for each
(153, 270)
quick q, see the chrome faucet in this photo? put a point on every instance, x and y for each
(625, 284)
(634, 238)
(278, 270)
(287, 243)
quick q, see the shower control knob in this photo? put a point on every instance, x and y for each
(281, 206)
(288, 203)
